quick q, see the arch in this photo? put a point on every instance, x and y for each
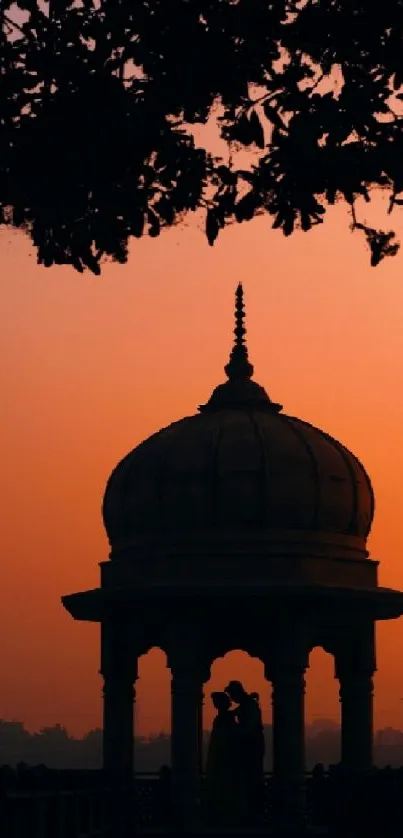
(153, 692)
(322, 710)
(238, 664)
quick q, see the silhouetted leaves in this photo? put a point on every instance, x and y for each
(246, 129)
(212, 225)
(381, 244)
(246, 208)
(98, 99)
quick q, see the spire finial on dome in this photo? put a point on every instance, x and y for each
(239, 392)
(238, 367)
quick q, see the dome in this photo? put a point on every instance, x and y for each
(239, 469)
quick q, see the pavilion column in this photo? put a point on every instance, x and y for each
(185, 744)
(119, 670)
(186, 717)
(118, 728)
(355, 666)
(287, 674)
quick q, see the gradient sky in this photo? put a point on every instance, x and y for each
(89, 366)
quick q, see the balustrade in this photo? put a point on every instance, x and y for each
(94, 812)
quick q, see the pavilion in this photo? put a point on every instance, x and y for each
(239, 527)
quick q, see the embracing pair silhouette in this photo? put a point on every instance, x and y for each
(234, 769)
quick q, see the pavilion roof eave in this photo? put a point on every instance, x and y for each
(94, 605)
(89, 606)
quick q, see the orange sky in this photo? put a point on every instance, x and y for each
(89, 366)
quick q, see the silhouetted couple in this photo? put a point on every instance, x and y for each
(235, 757)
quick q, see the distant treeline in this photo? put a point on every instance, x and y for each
(54, 747)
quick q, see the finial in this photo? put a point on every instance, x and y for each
(238, 367)
(240, 392)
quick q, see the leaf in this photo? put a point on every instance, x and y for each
(289, 223)
(272, 115)
(380, 243)
(226, 176)
(256, 130)
(137, 223)
(212, 226)
(165, 209)
(242, 130)
(245, 209)
(155, 225)
(92, 263)
(306, 222)
(245, 175)
(278, 221)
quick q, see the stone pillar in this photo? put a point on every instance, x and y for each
(356, 697)
(118, 728)
(355, 666)
(187, 690)
(119, 670)
(286, 671)
(189, 672)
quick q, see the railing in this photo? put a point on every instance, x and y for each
(91, 811)
(370, 806)
(58, 814)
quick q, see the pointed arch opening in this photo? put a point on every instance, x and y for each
(322, 711)
(238, 665)
(152, 712)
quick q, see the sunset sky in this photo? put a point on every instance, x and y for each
(89, 366)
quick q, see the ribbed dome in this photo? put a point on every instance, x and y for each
(239, 465)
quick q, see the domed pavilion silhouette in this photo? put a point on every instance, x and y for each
(238, 528)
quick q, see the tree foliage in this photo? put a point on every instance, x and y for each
(100, 99)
